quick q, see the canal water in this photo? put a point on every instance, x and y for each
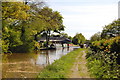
(29, 65)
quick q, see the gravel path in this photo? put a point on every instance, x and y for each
(79, 69)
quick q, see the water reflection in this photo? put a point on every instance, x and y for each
(28, 65)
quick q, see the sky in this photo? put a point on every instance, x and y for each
(85, 16)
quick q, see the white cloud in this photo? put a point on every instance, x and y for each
(87, 1)
(87, 19)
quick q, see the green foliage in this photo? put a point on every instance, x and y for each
(12, 14)
(14, 38)
(108, 46)
(53, 18)
(26, 47)
(22, 24)
(14, 10)
(95, 37)
(60, 68)
(37, 45)
(78, 39)
(64, 35)
(69, 37)
(95, 68)
(5, 45)
(103, 65)
(111, 30)
(104, 58)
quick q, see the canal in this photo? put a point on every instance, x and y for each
(29, 65)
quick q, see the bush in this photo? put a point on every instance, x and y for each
(104, 58)
(108, 46)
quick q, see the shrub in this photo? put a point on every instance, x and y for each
(104, 58)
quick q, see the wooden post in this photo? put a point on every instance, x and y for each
(62, 45)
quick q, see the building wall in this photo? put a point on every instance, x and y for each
(119, 9)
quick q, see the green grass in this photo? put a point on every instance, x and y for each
(61, 67)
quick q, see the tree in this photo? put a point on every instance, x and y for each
(53, 20)
(64, 35)
(23, 22)
(69, 37)
(95, 37)
(111, 30)
(18, 29)
(78, 39)
(12, 14)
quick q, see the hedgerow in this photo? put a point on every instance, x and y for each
(104, 58)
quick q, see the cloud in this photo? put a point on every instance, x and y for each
(86, 1)
(87, 19)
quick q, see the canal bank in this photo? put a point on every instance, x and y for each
(62, 68)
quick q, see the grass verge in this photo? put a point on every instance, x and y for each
(61, 67)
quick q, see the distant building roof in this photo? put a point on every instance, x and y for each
(55, 39)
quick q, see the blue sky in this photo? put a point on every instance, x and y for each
(85, 16)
